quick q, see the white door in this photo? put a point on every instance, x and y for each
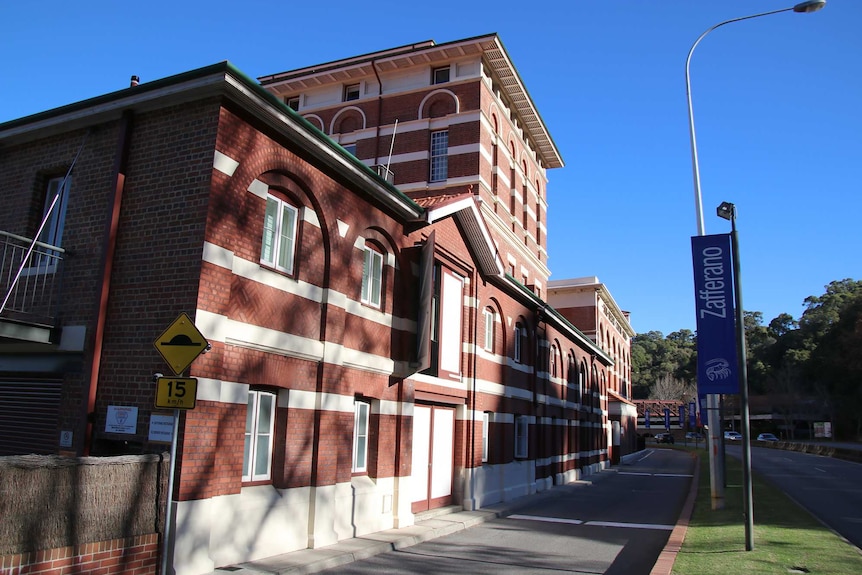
(433, 448)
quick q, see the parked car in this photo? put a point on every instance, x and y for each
(733, 435)
(693, 435)
(663, 438)
(766, 437)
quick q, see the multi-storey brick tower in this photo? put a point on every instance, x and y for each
(441, 120)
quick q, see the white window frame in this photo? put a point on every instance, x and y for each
(292, 102)
(518, 335)
(439, 171)
(350, 90)
(52, 232)
(372, 277)
(279, 236)
(257, 437)
(522, 436)
(434, 74)
(486, 424)
(489, 329)
(361, 418)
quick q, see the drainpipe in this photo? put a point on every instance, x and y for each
(109, 247)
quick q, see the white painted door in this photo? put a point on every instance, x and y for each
(433, 449)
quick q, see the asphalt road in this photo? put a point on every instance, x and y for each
(617, 525)
(829, 488)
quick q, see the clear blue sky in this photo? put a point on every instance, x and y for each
(777, 107)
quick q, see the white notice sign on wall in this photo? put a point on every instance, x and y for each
(121, 419)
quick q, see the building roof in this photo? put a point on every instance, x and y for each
(226, 81)
(429, 53)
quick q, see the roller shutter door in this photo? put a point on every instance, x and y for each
(28, 416)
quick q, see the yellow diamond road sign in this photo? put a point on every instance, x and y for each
(181, 343)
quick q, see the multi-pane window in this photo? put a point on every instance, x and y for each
(440, 75)
(54, 213)
(439, 156)
(489, 330)
(361, 411)
(372, 277)
(279, 235)
(518, 343)
(259, 421)
(351, 92)
(486, 424)
(522, 428)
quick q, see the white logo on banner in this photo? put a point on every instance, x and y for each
(718, 368)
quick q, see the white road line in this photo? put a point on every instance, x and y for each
(820, 470)
(593, 523)
(654, 474)
(546, 519)
(630, 525)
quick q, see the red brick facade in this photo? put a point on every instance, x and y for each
(516, 412)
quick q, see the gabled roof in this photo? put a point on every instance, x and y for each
(466, 212)
(428, 53)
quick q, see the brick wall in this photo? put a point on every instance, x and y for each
(129, 556)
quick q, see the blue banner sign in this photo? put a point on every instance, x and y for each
(667, 419)
(692, 419)
(716, 330)
(646, 418)
(682, 417)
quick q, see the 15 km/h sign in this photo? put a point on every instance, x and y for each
(181, 343)
(176, 392)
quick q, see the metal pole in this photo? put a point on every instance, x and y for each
(716, 465)
(166, 540)
(747, 492)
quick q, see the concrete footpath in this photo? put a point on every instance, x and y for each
(431, 525)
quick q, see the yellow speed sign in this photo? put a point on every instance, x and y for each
(176, 392)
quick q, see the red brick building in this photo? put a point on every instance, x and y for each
(381, 343)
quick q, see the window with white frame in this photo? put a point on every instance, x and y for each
(486, 424)
(361, 411)
(292, 102)
(522, 430)
(439, 156)
(54, 212)
(351, 92)
(372, 276)
(489, 329)
(278, 247)
(518, 337)
(440, 75)
(259, 422)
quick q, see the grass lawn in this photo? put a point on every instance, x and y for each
(787, 539)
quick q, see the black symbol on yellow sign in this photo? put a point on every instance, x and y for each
(181, 343)
(176, 392)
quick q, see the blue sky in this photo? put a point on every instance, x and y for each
(777, 102)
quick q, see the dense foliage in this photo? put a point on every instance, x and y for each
(815, 360)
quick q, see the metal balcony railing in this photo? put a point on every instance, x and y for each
(30, 293)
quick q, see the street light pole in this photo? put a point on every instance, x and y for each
(716, 471)
(728, 211)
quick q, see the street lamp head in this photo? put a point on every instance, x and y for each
(809, 6)
(726, 211)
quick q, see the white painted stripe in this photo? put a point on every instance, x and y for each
(629, 525)
(593, 523)
(546, 519)
(672, 475)
(632, 473)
